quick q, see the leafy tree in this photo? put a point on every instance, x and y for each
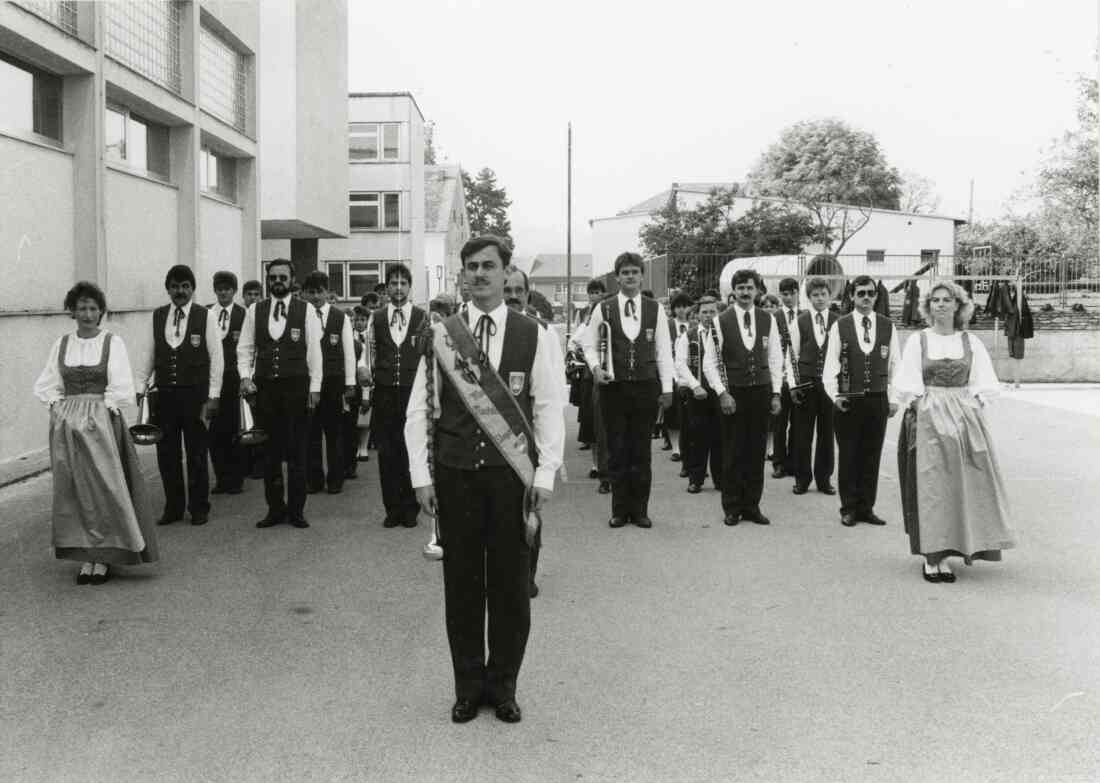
(487, 204)
(836, 172)
(918, 194)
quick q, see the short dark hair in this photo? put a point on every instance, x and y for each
(862, 280)
(252, 285)
(225, 280)
(788, 284)
(370, 299)
(648, 293)
(816, 283)
(359, 311)
(315, 281)
(713, 292)
(85, 290)
(708, 297)
(770, 298)
(180, 273)
(474, 244)
(744, 276)
(526, 282)
(629, 259)
(280, 262)
(380, 288)
(681, 300)
(399, 269)
(596, 287)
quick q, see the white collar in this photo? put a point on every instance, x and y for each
(284, 299)
(752, 309)
(405, 308)
(623, 298)
(499, 313)
(186, 308)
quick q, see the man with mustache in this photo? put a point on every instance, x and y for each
(186, 364)
(279, 360)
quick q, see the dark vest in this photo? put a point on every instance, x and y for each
(745, 367)
(285, 357)
(868, 374)
(811, 359)
(459, 441)
(695, 351)
(332, 347)
(633, 360)
(395, 365)
(230, 377)
(189, 364)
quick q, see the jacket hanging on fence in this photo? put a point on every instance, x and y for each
(1018, 321)
(882, 302)
(910, 311)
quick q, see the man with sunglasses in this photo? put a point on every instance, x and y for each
(286, 379)
(860, 361)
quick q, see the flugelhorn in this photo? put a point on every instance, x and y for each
(603, 349)
(145, 433)
(249, 434)
(433, 550)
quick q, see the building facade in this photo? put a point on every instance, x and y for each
(547, 276)
(446, 228)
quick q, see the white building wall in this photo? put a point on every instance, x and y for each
(277, 106)
(220, 249)
(142, 242)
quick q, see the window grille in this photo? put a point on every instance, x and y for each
(223, 79)
(60, 13)
(145, 36)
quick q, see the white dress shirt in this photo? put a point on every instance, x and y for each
(632, 327)
(246, 346)
(401, 328)
(216, 311)
(684, 376)
(87, 352)
(712, 354)
(830, 375)
(345, 340)
(213, 347)
(548, 400)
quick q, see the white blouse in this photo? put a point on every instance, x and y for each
(82, 352)
(909, 380)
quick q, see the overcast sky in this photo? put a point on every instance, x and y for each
(693, 91)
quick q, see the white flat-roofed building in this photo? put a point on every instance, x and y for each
(446, 228)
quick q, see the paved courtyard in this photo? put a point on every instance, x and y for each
(690, 652)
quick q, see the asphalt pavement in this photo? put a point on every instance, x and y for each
(803, 651)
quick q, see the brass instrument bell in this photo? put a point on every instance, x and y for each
(145, 432)
(249, 434)
(433, 550)
(604, 349)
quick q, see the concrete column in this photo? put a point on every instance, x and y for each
(82, 111)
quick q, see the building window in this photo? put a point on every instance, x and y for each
(217, 174)
(60, 13)
(223, 80)
(145, 37)
(335, 271)
(374, 141)
(351, 280)
(136, 143)
(374, 211)
(876, 256)
(929, 257)
(30, 100)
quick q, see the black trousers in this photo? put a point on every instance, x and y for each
(859, 436)
(586, 430)
(815, 414)
(486, 568)
(783, 433)
(744, 447)
(388, 423)
(349, 434)
(600, 431)
(179, 411)
(282, 406)
(629, 409)
(702, 435)
(228, 457)
(327, 422)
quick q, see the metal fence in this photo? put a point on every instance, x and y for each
(60, 13)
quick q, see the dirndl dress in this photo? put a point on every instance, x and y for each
(101, 507)
(953, 497)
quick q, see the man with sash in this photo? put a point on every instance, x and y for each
(186, 365)
(640, 380)
(485, 434)
(338, 387)
(858, 377)
(702, 426)
(745, 368)
(229, 458)
(280, 361)
(394, 329)
(813, 409)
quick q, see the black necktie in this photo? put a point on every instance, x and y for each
(790, 315)
(483, 331)
(683, 328)
(821, 322)
(177, 319)
(748, 324)
(398, 315)
(630, 309)
(280, 309)
(866, 329)
(223, 317)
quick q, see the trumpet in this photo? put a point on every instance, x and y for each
(145, 432)
(433, 550)
(603, 349)
(249, 434)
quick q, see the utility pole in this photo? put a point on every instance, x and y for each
(569, 230)
(970, 216)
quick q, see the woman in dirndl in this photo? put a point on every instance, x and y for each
(953, 497)
(101, 511)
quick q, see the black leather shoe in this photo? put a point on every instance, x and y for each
(756, 517)
(167, 520)
(299, 522)
(509, 712)
(694, 489)
(464, 711)
(616, 521)
(947, 577)
(532, 589)
(199, 519)
(871, 519)
(335, 490)
(391, 520)
(409, 521)
(934, 576)
(799, 489)
(604, 488)
(83, 578)
(642, 520)
(98, 579)
(848, 520)
(234, 491)
(675, 456)
(779, 473)
(828, 489)
(593, 473)
(683, 472)
(218, 490)
(270, 520)
(315, 489)
(731, 519)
